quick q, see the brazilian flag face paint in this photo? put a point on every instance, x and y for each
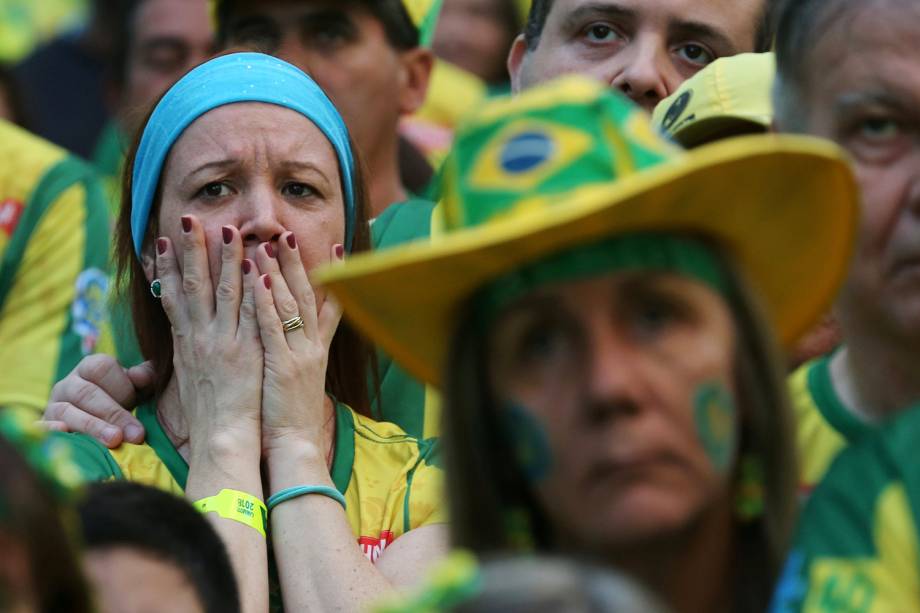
(716, 422)
(528, 442)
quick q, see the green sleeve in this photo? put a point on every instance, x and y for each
(402, 222)
(91, 457)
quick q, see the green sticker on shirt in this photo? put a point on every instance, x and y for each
(714, 414)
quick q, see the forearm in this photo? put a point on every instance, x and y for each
(234, 464)
(320, 564)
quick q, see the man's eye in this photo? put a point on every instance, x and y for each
(601, 33)
(541, 345)
(298, 190)
(214, 190)
(879, 129)
(695, 54)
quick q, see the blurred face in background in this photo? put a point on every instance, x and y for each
(864, 93)
(345, 48)
(476, 36)
(170, 37)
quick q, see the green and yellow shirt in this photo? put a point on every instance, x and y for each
(824, 425)
(405, 400)
(54, 267)
(391, 481)
(856, 549)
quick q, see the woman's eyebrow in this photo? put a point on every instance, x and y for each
(218, 164)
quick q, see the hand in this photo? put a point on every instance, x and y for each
(217, 352)
(294, 383)
(96, 398)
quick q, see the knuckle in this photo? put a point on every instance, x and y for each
(191, 284)
(225, 290)
(288, 306)
(248, 309)
(96, 366)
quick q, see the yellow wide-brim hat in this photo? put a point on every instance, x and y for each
(572, 163)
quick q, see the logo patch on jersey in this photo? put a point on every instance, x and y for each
(89, 310)
(527, 153)
(676, 109)
(10, 212)
(373, 547)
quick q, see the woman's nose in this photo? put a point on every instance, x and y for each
(259, 220)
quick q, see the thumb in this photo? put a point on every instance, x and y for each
(143, 377)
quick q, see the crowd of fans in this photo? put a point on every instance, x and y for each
(459, 305)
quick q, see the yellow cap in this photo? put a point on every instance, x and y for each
(729, 97)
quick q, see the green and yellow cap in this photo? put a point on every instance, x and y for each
(572, 164)
(730, 97)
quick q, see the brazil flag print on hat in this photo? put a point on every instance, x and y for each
(572, 163)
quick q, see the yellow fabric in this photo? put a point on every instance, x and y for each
(730, 94)
(379, 487)
(818, 441)
(795, 255)
(25, 24)
(141, 464)
(35, 315)
(881, 584)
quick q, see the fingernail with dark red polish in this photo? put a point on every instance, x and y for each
(247, 267)
(228, 234)
(267, 281)
(340, 251)
(161, 246)
(291, 241)
(269, 251)
(186, 224)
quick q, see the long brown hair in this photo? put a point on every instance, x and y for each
(351, 359)
(491, 502)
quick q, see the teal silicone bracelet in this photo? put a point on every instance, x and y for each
(304, 490)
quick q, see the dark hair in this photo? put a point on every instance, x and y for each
(9, 89)
(351, 357)
(799, 26)
(539, 11)
(400, 30)
(164, 526)
(34, 520)
(491, 501)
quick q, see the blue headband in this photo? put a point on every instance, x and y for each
(238, 77)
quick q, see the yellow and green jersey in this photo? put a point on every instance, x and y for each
(54, 267)
(404, 400)
(391, 482)
(856, 549)
(824, 425)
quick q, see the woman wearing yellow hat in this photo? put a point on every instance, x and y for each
(600, 313)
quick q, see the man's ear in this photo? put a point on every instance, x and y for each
(416, 73)
(516, 59)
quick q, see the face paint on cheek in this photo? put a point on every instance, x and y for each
(715, 416)
(529, 443)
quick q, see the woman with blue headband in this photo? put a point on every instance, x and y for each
(243, 181)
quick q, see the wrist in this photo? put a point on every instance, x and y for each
(296, 464)
(225, 446)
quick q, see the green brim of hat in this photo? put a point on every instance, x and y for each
(784, 206)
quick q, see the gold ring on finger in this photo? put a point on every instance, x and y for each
(294, 323)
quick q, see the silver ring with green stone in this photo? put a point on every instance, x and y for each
(156, 288)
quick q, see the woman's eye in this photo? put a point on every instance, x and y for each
(652, 317)
(541, 345)
(298, 190)
(695, 54)
(214, 190)
(601, 33)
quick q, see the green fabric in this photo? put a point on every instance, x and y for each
(840, 521)
(110, 150)
(92, 458)
(653, 252)
(343, 459)
(542, 153)
(402, 397)
(159, 441)
(821, 387)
